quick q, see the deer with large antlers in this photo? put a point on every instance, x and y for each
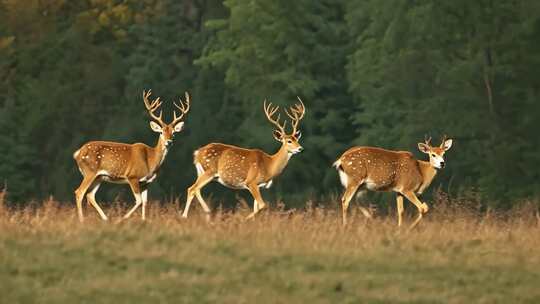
(134, 164)
(378, 169)
(250, 169)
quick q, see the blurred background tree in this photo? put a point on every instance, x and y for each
(381, 73)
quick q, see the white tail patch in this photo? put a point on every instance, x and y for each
(344, 178)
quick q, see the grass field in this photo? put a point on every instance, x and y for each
(455, 256)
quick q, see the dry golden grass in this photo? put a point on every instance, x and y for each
(457, 255)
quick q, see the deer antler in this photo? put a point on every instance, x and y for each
(296, 114)
(153, 106)
(270, 110)
(427, 140)
(183, 107)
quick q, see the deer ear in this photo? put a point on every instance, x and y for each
(277, 135)
(298, 134)
(447, 144)
(155, 127)
(179, 126)
(423, 147)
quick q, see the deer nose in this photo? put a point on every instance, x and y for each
(442, 164)
(300, 149)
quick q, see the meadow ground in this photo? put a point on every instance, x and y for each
(455, 256)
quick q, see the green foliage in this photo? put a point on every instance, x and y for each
(381, 73)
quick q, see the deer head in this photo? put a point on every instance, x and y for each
(165, 130)
(436, 154)
(288, 140)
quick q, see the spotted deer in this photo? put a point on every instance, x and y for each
(251, 169)
(378, 169)
(134, 164)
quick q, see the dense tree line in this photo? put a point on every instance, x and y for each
(381, 73)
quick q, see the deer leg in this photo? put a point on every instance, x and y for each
(144, 199)
(422, 207)
(189, 198)
(203, 204)
(364, 211)
(80, 192)
(195, 190)
(259, 202)
(136, 189)
(346, 200)
(399, 202)
(255, 206)
(201, 201)
(91, 198)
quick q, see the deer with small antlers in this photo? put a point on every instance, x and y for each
(250, 169)
(378, 169)
(134, 164)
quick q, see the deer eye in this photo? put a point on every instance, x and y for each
(289, 141)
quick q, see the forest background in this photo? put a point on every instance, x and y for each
(379, 73)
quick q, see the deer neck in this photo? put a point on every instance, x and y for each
(279, 160)
(160, 151)
(428, 174)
